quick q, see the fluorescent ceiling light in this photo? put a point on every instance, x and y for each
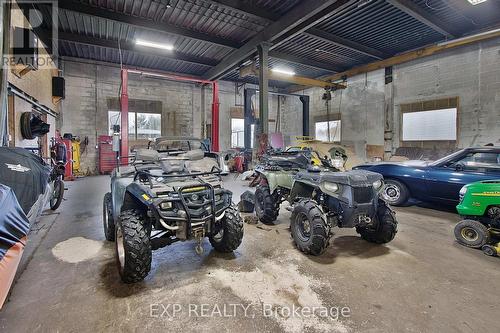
(141, 42)
(283, 71)
(476, 2)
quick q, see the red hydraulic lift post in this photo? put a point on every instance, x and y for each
(124, 116)
(215, 102)
(215, 116)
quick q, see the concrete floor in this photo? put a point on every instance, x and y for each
(421, 282)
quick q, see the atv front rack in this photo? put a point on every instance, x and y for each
(149, 176)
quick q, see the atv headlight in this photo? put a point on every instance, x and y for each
(330, 187)
(378, 184)
(166, 205)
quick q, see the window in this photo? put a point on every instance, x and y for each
(479, 162)
(140, 125)
(433, 125)
(321, 130)
(237, 133)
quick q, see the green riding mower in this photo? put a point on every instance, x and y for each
(480, 209)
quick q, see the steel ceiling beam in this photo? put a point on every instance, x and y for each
(421, 15)
(345, 43)
(306, 62)
(131, 47)
(162, 27)
(243, 7)
(260, 13)
(297, 20)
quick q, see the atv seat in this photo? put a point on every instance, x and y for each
(172, 165)
(194, 155)
(146, 155)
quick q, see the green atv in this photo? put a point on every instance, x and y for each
(480, 209)
(169, 193)
(322, 198)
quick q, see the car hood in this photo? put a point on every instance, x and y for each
(410, 163)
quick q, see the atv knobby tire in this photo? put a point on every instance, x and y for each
(132, 246)
(230, 233)
(385, 229)
(472, 233)
(266, 205)
(107, 218)
(310, 230)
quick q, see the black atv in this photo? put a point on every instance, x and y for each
(321, 198)
(170, 193)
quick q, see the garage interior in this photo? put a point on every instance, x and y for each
(406, 91)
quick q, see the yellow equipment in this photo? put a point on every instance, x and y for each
(324, 149)
(75, 147)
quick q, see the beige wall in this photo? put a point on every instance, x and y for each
(37, 84)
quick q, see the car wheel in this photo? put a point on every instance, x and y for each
(472, 233)
(395, 193)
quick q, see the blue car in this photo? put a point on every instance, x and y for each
(438, 181)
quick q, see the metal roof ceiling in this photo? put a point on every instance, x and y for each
(91, 29)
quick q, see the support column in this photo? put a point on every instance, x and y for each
(264, 87)
(124, 117)
(215, 116)
(388, 114)
(305, 114)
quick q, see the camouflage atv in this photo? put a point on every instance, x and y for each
(170, 193)
(322, 198)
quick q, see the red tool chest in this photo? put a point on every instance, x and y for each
(107, 157)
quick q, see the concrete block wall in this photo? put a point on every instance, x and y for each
(90, 88)
(471, 73)
(186, 107)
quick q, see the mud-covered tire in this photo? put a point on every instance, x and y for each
(107, 218)
(472, 233)
(132, 246)
(395, 193)
(386, 227)
(266, 205)
(309, 228)
(230, 232)
(57, 194)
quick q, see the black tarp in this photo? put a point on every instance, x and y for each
(25, 173)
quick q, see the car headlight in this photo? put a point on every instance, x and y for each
(166, 205)
(331, 187)
(378, 184)
(463, 190)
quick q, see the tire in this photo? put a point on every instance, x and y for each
(26, 126)
(107, 218)
(386, 228)
(314, 236)
(57, 194)
(266, 205)
(132, 247)
(395, 193)
(472, 233)
(230, 234)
